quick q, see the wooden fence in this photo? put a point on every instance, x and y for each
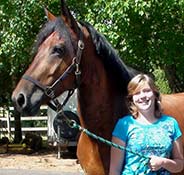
(6, 118)
(6, 129)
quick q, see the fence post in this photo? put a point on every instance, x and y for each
(8, 126)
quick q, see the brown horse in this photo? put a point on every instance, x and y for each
(71, 55)
(172, 104)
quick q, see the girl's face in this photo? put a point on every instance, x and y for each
(144, 98)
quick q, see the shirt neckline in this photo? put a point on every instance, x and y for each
(146, 125)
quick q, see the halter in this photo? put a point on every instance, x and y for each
(49, 91)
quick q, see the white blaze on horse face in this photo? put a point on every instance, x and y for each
(144, 98)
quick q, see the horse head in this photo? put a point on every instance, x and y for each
(56, 63)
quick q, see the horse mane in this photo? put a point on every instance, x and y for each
(112, 62)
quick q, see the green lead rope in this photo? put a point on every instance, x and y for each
(145, 160)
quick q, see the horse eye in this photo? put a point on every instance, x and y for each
(59, 50)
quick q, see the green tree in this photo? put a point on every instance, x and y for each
(19, 25)
(147, 34)
(20, 22)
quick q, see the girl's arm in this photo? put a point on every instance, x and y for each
(174, 165)
(117, 157)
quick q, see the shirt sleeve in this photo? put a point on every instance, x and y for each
(177, 131)
(121, 129)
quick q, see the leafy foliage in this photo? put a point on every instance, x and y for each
(17, 32)
(20, 22)
(148, 34)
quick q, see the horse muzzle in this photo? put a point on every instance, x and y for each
(27, 104)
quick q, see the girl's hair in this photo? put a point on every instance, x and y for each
(135, 85)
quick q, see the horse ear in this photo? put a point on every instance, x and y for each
(68, 18)
(50, 16)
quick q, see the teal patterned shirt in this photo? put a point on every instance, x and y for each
(155, 139)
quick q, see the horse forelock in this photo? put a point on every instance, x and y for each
(112, 62)
(47, 29)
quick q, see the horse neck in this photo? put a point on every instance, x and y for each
(100, 101)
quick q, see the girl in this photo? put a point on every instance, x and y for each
(146, 131)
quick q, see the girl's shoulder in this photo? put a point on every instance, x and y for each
(126, 118)
(169, 121)
(167, 118)
(172, 125)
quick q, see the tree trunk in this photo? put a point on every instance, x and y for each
(174, 82)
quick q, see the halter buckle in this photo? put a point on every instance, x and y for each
(81, 44)
(49, 92)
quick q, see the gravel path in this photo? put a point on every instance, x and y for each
(38, 164)
(34, 172)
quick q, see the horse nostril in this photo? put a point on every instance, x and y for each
(21, 100)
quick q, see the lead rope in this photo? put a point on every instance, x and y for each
(145, 159)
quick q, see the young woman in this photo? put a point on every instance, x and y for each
(146, 131)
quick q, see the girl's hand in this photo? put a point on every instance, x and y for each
(156, 163)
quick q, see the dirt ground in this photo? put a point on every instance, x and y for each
(41, 161)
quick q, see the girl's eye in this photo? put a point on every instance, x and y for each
(147, 90)
(58, 50)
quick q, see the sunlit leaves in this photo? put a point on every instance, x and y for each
(148, 34)
(19, 24)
